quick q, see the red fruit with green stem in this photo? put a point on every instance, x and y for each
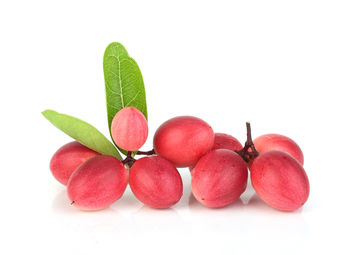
(129, 129)
(67, 158)
(219, 178)
(280, 180)
(97, 183)
(155, 182)
(183, 140)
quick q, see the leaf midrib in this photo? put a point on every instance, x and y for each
(119, 77)
(120, 82)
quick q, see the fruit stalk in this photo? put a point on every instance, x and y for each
(245, 153)
(129, 160)
(147, 153)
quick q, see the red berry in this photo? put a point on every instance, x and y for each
(68, 158)
(129, 129)
(225, 141)
(219, 178)
(277, 142)
(155, 182)
(280, 180)
(183, 140)
(97, 183)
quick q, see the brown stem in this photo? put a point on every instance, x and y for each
(254, 153)
(245, 153)
(148, 153)
(129, 160)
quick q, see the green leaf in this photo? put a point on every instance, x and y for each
(123, 82)
(83, 132)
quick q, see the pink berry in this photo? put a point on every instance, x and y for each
(225, 141)
(129, 129)
(97, 183)
(280, 180)
(219, 178)
(277, 142)
(68, 158)
(155, 182)
(183, 140)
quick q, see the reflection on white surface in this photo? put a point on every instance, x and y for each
(129, 215)
(246, 226)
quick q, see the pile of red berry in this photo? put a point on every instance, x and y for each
(96, 175)
(218, 163)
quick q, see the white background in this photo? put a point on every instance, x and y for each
(283, 65)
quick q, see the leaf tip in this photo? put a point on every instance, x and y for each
(46, 113)
(115, 44)
(116, 49)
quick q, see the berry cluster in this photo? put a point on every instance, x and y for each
(96, 175)
(218, 163)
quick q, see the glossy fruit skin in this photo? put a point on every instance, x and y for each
(97, 183)
(225, 141)
(156, 182)
(280, 180)
(219, 178)
(183, 140)
(129, 129)
(277, 142)
(67, 158)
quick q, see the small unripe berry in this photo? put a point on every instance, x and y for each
(67, 158)
(129, 129)
(183, 140)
